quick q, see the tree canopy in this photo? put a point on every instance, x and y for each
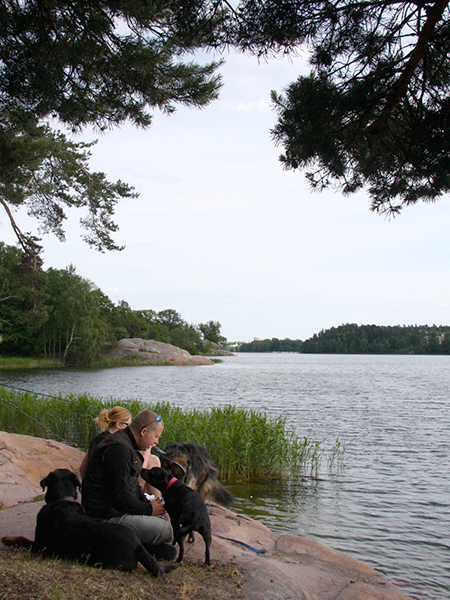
(374, 111)
(363, 339)
(95, 63)
(59, 314)
(211, 332)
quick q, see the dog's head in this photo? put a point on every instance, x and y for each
(61, 484)
(157, 477)
(178, 467)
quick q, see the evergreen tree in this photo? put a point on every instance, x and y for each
(374, 111)
(96, 63)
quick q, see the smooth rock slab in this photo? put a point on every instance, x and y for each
(293, 567)
(25, 460)
(151, 352)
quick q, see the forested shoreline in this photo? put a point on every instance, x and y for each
(363, 339)
(56, 313)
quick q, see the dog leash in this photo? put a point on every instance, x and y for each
(162, 454)
(239, 542)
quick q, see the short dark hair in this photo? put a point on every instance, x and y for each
(144, 419)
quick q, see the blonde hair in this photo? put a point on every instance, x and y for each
(109, 416)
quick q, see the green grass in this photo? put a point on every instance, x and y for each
(24, 362)
(26, 575)
(246, 445)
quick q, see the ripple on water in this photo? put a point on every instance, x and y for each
(390, 507)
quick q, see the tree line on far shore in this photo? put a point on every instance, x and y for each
(363, 339)
(56, 313)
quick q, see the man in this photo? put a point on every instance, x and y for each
(111, 490)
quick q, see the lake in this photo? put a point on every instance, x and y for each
(388, 506)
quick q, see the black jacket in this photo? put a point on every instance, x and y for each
(111, 485)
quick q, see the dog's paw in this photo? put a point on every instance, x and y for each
(169, 568)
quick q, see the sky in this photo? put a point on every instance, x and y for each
(221, 232)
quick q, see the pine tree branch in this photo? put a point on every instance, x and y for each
(434, 15)
(30, 247)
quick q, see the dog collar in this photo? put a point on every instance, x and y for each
(66, 499)
(170, 484)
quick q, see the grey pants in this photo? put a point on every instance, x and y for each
(150, 530)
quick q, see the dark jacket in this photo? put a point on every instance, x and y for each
(111, 485)
(98, 438)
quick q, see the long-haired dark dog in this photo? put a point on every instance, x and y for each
(185, 507)
(63, 529)
(198, 471)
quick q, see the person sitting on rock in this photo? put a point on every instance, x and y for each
(110, 420)
(111, 490)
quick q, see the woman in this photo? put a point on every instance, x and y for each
(110, 420)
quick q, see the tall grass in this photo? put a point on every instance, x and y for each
(22, 362)
(245, 444)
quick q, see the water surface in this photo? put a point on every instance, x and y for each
(389, 506)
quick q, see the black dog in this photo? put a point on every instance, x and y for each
(191, 464)
(186, 508)
(63, 529)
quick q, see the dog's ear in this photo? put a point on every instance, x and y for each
(146, 474)
(76, 482)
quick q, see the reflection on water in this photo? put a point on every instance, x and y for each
(276, 504)
(328, 511)
(389, 507)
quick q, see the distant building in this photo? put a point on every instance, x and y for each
(440, 337)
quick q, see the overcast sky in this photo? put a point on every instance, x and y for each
(220, 232)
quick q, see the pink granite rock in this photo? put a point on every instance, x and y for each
(151, 352)
(25, 460)
(292, 568)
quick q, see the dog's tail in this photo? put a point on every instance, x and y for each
(148, 561)
(217, 493)
(17, 541)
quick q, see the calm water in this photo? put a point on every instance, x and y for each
(389, 506)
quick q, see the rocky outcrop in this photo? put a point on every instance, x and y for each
(151, 352)
(213, 349)
(25, 460)
(292, 567)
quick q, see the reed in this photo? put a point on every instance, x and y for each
(245, 444)
(336, 455)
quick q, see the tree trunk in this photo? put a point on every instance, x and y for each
(69, 342)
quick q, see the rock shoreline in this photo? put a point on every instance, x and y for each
(292, 568)
(151, 352)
